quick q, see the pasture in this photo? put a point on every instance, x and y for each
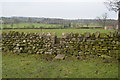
(31, 25)
(36, 66)
(39, 25)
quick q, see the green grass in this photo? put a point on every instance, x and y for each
(36, 25)
(59, 31)
(0, 65)
(34, 66)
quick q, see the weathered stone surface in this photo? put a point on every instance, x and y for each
(97, 34)
(87, 35)
(70, 43)
(103, 35)
(105, 56)
(60, 56)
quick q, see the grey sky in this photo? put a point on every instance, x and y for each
(57, 9)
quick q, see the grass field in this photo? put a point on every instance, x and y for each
(35, 66)
(59, 31)
(36, 25)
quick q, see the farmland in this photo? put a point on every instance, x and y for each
(60, 39)
(31, 25)
(35, 66)
(39, 25)
(30, 65)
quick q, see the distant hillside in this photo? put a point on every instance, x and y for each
(57, 21)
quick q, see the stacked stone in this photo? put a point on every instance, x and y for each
(27, 42)
(69, 44)
(95, 43)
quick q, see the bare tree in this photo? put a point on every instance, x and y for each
(102, 20)
(114, 5)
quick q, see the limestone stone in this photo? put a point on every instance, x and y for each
(60, 56)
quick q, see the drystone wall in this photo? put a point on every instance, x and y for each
(69, 43)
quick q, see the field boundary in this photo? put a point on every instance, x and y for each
(69, 44)
(58, 28)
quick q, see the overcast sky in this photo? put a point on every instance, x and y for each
(68, 9)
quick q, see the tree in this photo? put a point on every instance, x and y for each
(17, 21)
(11, 25)
(102, 20)
(30, 22)
(114, 5)
(67, 25)
(87, 23)
(41, 28)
